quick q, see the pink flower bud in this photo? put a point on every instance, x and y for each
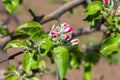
(68, 28)
(68, 37)
(115, 13)
(54, 33)
(74, 42)
(106, 1)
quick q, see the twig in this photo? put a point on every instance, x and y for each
(60, 11)
(36, 18)
(82, 31)
(13, 56)
(59, 22)
(16, 20)
(31, 12)
(87, 30)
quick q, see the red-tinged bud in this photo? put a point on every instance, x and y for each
(106, 1)
(54, 33)
(115, 13)
(67, 37)
(68, 28)
(74, 42)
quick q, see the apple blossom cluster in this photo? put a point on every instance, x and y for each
(62, 35)
(114, 5)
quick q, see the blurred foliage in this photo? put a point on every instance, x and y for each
(4, 30)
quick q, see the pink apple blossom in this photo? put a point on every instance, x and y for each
(106, 1)
(67, 37)
(54, 33)
(68, 28)
(74, 42)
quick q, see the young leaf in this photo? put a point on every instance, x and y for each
(27, 62)
(94, 7)
(11, 77)
(3, 30)
(73, 62)
(92, 19)
(33, 62)
(87, 71)
(37, 64)
(15, 44)
(41, 64)
(11, 68)
(11, 5)
(61, 57)
(45, 46)
(39, 35)
(34, 78)
(111, 44)
(76, 56)
(30, 29)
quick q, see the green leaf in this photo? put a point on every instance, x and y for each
(93, 7)
(75, 57)
(11, 5)
(61, 57)
(111, 45)
(88, 75)
(11, 77)
(39, 35)
(34, 62)
(37, 64)
(30, 30)
(87, 71)
(74, 62)
(11, 68)
(34, 78)
(27, 62)
(15, 44)
(3, 30)
(92, 19)
(45, 47)
(41, 64)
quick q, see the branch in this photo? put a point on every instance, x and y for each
(12, 56)
(60, 11)
(36, 18)
(87, 30)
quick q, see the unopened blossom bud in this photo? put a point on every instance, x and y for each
(106, 1)
(68, 28)
(74, 42)
(54, 33)
(68, 37)
(115, 13)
